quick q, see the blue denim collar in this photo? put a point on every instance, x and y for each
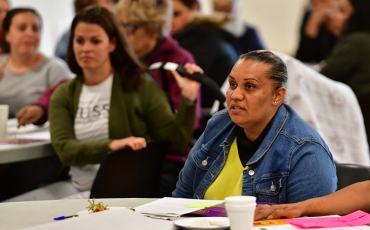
(278, 122)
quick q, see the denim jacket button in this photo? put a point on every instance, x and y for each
(251, 172)
(273, 188)
(204, 162)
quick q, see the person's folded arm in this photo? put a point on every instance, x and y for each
(68, 148)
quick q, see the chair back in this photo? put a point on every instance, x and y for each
(126, 173)
(351, 173)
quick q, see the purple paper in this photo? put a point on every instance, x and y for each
(215, 211)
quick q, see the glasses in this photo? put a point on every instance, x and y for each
(130, 28)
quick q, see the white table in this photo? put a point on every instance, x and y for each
(21, 152)
(15, 215)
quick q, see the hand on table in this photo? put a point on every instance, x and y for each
(189, 88)
(135, 143)
(29, 114)
(278, 211)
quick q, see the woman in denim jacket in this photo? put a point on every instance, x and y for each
(258, 146)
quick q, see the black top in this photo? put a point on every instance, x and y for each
(213, 52)
(247, 148)
(249, 41)
(314, 50)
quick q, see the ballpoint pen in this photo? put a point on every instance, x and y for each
(64, 217)
(158, 217)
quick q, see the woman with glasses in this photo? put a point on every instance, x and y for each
(110, 104)
(147, 25)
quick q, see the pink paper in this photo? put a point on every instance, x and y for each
(357, 218)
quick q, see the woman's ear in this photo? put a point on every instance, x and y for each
(6, 37)
(279, 95)
(112, 45)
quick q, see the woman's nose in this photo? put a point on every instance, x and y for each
(29, 31)
(86, 46)
(237, 94)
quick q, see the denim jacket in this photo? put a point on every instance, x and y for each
(292, 164)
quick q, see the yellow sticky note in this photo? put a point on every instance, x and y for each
(200, 205)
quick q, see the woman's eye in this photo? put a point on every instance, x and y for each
(95, 42)
(232, 85)
(176, 13)
(22, 27)
(80, 41)
(249, 86)
(35, 28)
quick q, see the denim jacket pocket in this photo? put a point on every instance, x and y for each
(202, 160)
(269, 190)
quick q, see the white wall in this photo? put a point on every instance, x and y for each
(277, 20)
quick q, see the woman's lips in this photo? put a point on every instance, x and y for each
(236, 107)
(86, 58)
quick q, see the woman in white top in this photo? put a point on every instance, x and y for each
(27, 73)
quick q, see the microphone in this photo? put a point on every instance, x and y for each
(205, 80)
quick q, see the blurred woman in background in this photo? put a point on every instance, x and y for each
(147, 25)
(349, 60)
(211, 46)
(4, 8)
(246, 36)
(27, 73)
(317, 37)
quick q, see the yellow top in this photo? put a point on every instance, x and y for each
(229, 181)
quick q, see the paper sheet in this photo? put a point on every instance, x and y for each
(174, 207)
(29, 131)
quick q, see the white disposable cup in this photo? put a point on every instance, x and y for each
(240, 210)
(4, 113)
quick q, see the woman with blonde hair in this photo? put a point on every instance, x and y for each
(147, 25)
